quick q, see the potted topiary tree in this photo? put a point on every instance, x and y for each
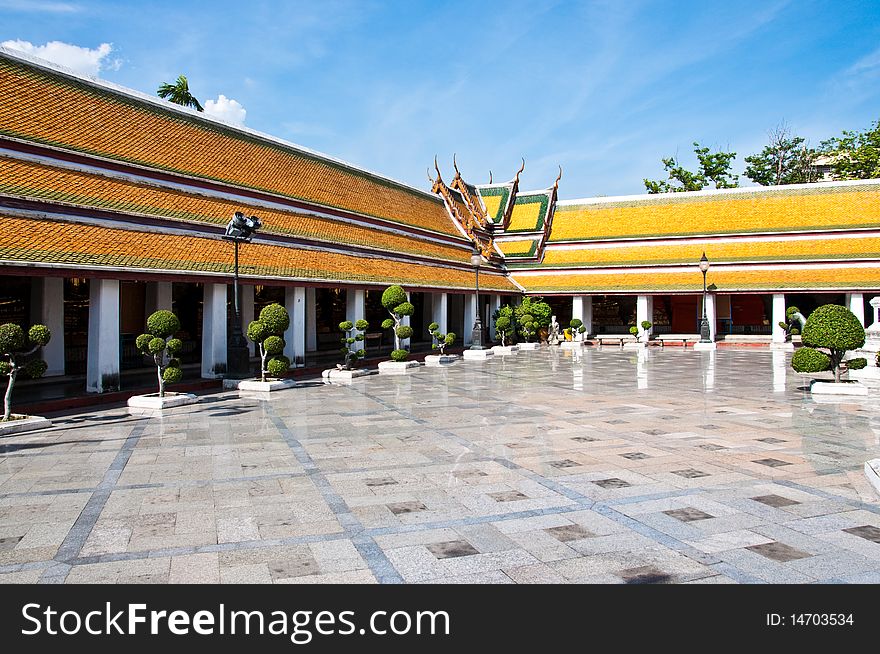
(641, 336)
(439, 342)
(829, 333)
(577, 331)
(159, 343)
(351, 350)
(15, 346)
(395, 302)
(540, 312)
(504, 330)
(267, 331)
(528, 328)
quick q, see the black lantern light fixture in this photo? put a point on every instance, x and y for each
(477, 336)
(705, 335)
(239, 230)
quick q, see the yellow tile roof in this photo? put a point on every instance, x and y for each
(54, 109)
(517, 248)
(818, 207)
(42, 181)
(775, 279)
(782, 248)
(45, 241)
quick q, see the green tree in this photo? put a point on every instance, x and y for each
(713, 168)
(855, 155)
(395, 302)
(159, 343)
(15, 345)
(786, 159)
(830, 331)
(178, 93)
(268, 333)
(535, 307)
(351, 345)
(440, 340)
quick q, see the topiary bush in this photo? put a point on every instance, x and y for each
(539, 311)
(351, 349)
(15, 345)
(830, 331)
(159, 343)
(268, 333)
(527, 326)
(504, 318)
(794, 320)
(395, 302)
(440, 340)
(577, 327)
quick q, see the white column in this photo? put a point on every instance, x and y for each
(102, 366)
(645, 311)
(778, 317)
(214, 331)
(439, 310)
(246, 298)
(856, 304)
(404, 342)
(710, 315)
(295, 336)
(158, 296)
(311, 320)
(355, 307)
(47, 308)
(494, 305)
(470, 312)
(582, 308)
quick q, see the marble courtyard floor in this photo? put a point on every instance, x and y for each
(614, 467)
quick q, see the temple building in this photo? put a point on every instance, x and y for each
(113, 204)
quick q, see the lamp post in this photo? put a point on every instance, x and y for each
(705, 336)
(239, 230)
(477, 336)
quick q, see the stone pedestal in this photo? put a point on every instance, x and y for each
(528, 347)
(705, 347)
(154, 405)
(21, 423)
(822, 387)
(440, 359)
(255, 385)
(397, 367)
(478, 355)
(782, 346)
(337, 375)
(635, 345)
(505, 350)
(571, 345)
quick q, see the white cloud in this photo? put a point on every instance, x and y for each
(226, 109)
(85, 61)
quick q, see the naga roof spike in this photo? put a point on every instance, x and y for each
(428, 171)
(521, 168)
(556, 183)
(455, 165)
(437, 168)
(490, 176)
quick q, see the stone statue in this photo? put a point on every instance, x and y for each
(555, 335)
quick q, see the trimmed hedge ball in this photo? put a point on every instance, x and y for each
(388, 323)
(359, 337)
(156, 345)
(806, 359)
(835, 327)
(274, 345)
(39, 335)
(35, 368)
(393, 296)
(275, 318)
(646, 325)
(345, 325)
(174, 346)
(633, 330)
(362, 325)
(5, 368)
(575, 323)
(142, 342)
(433, 327)
(399, 355)
(172, 375)
(404, 331)
(857, 364)
(257, 331)
(277, 366)
(790, 311)
(502, 323)
(11, 338)
(450, 338)
(404, 309)
(163, 323)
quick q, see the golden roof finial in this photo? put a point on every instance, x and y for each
(490, 176)
(455, 165)
(437, 168)
(521, 168)
(556, 183)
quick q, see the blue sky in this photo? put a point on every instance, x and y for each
(603, 88)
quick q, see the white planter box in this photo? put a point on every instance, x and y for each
(397, 367)
(153, 405)
(345, 376)
(440, 359)
(258, 386)
(19, 423)
(505, 350)
(819, 387)
(872, 472)
(478, 355)
(869, 373)
(571, 345)
(705, 347)
(634, 346)
(529, 346)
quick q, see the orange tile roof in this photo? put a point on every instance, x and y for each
(41, 181)
(45, 241)
(775, 279)
(54, 109)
